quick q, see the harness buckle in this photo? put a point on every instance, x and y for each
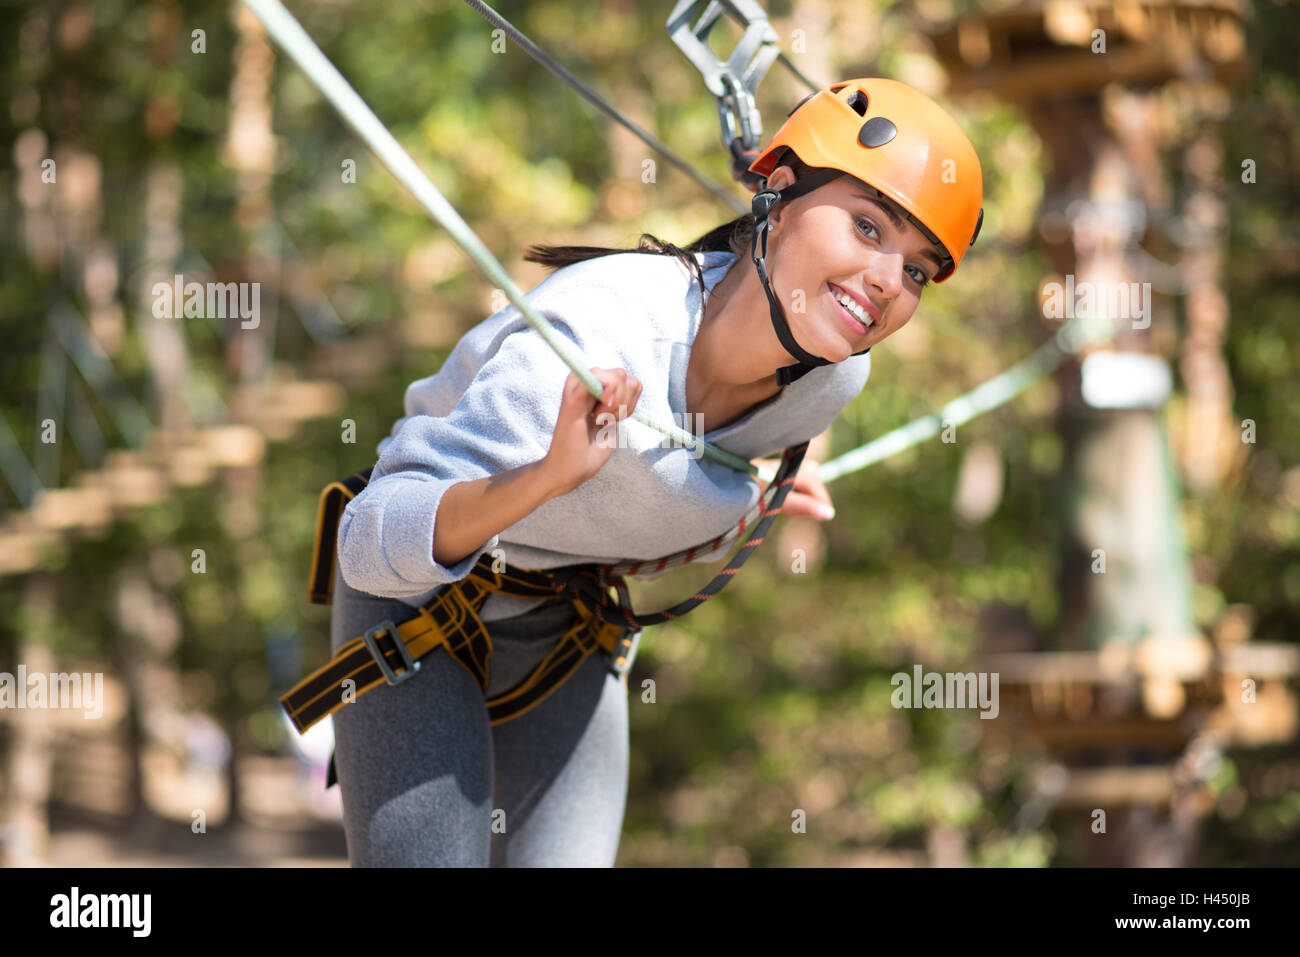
(620, 661)
(371, 639)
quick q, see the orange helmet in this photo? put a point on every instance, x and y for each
(899, 141)
(895, 141)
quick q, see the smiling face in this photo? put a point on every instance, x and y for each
(839, 241)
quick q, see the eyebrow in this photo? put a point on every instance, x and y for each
(898, 222)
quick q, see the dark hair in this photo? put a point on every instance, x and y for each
(734, 236)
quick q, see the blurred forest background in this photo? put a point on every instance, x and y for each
(163, 536)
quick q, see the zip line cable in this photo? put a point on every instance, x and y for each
(536, 52)
(281, 24)
(531, 48)
(789, 65)
(1069, 339)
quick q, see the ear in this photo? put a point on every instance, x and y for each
(781, 177)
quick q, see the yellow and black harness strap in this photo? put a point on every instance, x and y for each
(333, 500)
(450, 620)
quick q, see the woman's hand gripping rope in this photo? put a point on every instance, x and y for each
(808, 498)
(588, 429)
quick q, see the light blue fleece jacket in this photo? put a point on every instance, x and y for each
(493, 405)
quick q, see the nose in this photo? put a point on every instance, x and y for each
(884, 272)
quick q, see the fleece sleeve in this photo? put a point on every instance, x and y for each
(505, 419)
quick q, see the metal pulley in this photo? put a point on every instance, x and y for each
(732, 83)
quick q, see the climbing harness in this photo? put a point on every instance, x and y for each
(390, 652)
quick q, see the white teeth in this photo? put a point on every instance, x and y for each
(855, 309)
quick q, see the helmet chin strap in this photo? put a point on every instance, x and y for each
(764, 202)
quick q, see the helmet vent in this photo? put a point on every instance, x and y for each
(859, 102)
(838, 86)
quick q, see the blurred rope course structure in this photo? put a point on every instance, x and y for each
(290, 35)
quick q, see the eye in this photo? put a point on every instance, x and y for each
(870, 225)
(919, 276)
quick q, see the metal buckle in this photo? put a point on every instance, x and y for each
(620, 661)
(371, 639)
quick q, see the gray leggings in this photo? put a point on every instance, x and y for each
(428, 782)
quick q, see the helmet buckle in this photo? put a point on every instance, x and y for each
(764, 202)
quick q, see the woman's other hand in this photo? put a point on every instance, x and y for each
(808, 498)
(587, 429)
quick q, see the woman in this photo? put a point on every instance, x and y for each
(872, 192)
